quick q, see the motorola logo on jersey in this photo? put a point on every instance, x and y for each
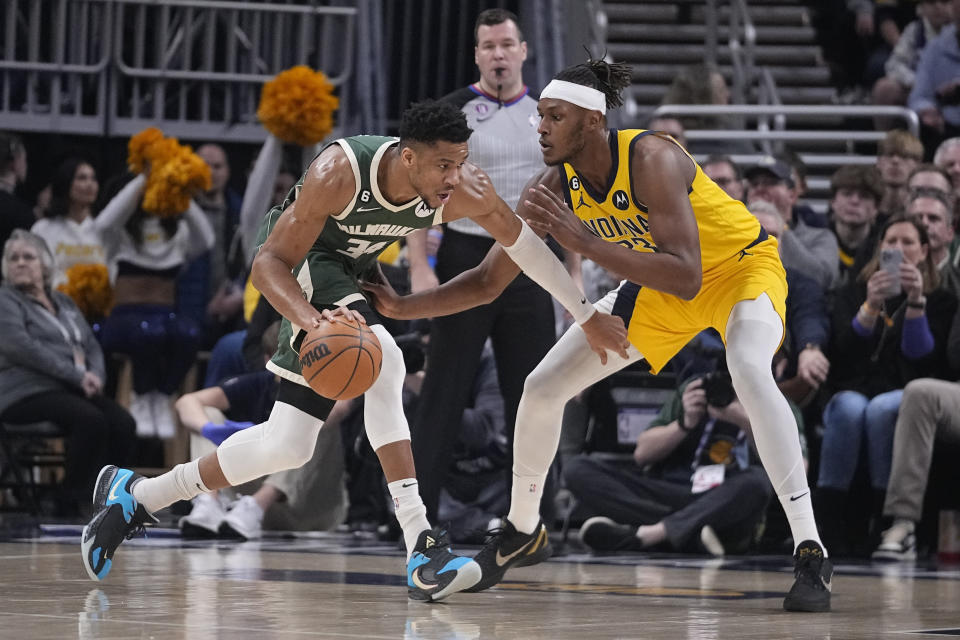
(423, 210)
(620, 200)
(574, 183)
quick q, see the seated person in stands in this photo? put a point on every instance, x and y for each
(695, 482)
(809, 250)
(898, 154)
(890, 326)
(310, 497)
(856, 195)
(52, 369)
(148, 253)
(725, 172)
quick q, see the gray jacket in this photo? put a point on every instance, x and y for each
(811, 251)
(34, 354)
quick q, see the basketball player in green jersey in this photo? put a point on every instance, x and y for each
(357, 196)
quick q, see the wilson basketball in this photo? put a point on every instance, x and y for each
(340, 359)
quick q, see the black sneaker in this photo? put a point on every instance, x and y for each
(507, 548)
(603, 534)
(117, 515)
(434, 572)
(813, 572)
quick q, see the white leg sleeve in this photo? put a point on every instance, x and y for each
(383, 403)
(568, 368)
(285, 441)
(753, 334)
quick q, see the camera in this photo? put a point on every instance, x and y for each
(719, 389)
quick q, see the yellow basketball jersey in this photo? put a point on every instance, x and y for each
(725, 225)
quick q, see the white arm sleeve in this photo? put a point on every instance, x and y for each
(258, 195)
(535, 258)
(200, 234)
(121, 206)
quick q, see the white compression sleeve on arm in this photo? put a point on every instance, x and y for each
(535, 258)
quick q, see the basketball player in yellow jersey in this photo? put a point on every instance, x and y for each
(636, 203)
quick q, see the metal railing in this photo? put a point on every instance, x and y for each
(193, 67)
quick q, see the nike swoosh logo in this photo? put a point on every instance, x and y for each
(369, 209)
(117, 485)
(502, 560)
(795, 498)
(415, 576)
(408, 485)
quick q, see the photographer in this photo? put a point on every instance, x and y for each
(695, 481)
(890, 327)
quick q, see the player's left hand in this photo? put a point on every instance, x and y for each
(605, 332)
(330, 315)
(546, 212)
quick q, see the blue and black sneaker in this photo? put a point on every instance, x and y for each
(434, 572)
(117, 515)
(507, 548)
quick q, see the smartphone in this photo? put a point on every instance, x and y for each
(890, 260)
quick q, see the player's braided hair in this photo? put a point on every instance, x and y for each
(432, 121)
(609, 78)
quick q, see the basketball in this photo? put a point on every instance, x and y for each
(340, 359)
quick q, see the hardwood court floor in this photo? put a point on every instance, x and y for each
(333, 587)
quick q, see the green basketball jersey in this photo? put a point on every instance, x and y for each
(349, 243)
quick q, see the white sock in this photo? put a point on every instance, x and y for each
(409, 509)
(525, 499)
(180, 483)
(799, 512)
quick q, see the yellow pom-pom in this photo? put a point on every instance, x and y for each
(138, 146)
(297, 106)
(175, 172)
(89, 287)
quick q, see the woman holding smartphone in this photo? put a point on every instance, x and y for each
(890, 326)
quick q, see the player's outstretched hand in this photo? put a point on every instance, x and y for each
(606, 332)
(546, 212)
(385, 299)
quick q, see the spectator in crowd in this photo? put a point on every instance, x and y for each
(52, 368)
(14, 212)
(703, 84)
(932, 209)
(725, 172)
(311, 497)
(894, 87)
(929, 414)
(210, 290)
(520, 322)
(936, 90)
(888, 328)
(669, 125)
(898, 154)
(801, 364)
(856, 194)
(68, 226)
(947, 157)
(654, 499)
(928, 417)
(809, 250)
(798, 171)
(148, 252)
(929, 176)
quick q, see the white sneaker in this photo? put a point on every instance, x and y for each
(244, 520)
(163, 418)
(711, 542)
(204, 519)
(142, 411)
(898, 543)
